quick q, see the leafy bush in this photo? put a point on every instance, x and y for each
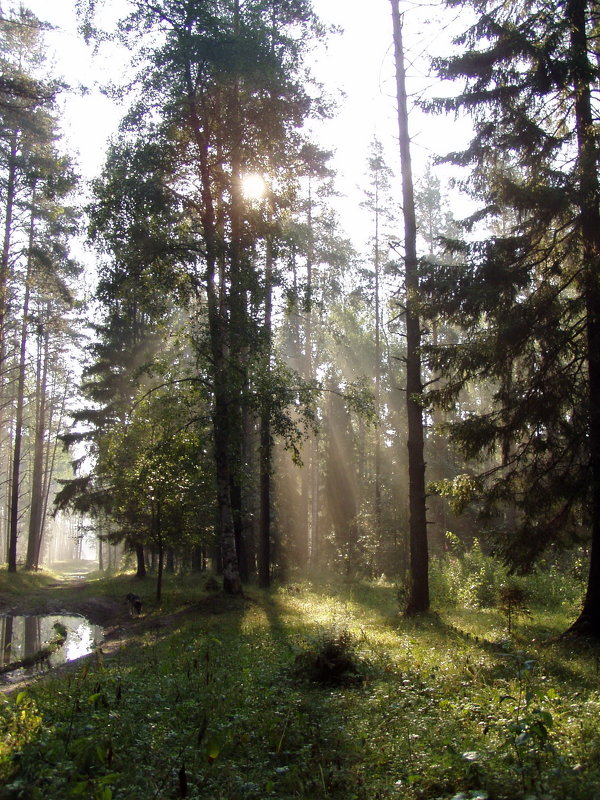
(474, 579)
(20, 722)
(470, 580)
(557, 584)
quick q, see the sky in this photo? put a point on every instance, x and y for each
(356, 67)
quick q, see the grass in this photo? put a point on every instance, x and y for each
(21, 584)
(214, 707)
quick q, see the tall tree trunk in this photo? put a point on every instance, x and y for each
(5, 273)
(589, 207)
(52, 443)
(157, 525)
(238, 318)
(312, 465)
(16, 465)
(37, 478)
(266, 441)
(377, 269)
(419, 557)
(5, 270)
(217, 323)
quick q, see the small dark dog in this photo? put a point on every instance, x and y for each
(135, 604)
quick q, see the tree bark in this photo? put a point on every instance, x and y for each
(5, 270)
(418, 601)
(589, 208)
(217, 323)
(37, 482)
(266, 441)
(16, 465)
(157, 525)
(140, 561)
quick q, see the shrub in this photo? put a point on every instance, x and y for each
(470, 580)
(512, 601)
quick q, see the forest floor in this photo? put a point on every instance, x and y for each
(310, 691)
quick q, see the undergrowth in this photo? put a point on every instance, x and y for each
(214, 708)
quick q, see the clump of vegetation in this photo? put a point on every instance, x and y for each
(512, 602)
(331, 657)
(20, 722)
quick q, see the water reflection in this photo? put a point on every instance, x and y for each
(22, 637)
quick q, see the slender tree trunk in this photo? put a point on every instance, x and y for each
(419, 557)
(266, 441)
(157, 525)
(5, 270)
(50, 461)
(377, 269)
(37, 481)
(16, 466)
(589, 206)
(312, 518)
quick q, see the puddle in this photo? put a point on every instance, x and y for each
(23, 636)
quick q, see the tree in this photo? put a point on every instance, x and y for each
(378, 203)
(418, 600)
(221, 90)
(528, 297)
(36, 270)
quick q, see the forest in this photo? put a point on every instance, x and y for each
(354, 490)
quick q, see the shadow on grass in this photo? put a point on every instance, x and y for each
(316, 755)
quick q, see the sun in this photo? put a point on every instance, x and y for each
(254, 186)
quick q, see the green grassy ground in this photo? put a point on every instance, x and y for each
(217, 704)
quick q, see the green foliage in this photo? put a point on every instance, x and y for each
(525, 729)
(471, 580)
(522, 294)
(23, 583)
(20, 722)
(459, 491)
(211, 702)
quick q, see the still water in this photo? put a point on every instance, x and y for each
(24, 636)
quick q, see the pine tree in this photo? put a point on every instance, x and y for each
(418, 600)
(222, 91)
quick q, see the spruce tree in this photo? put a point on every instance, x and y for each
(527, 294)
